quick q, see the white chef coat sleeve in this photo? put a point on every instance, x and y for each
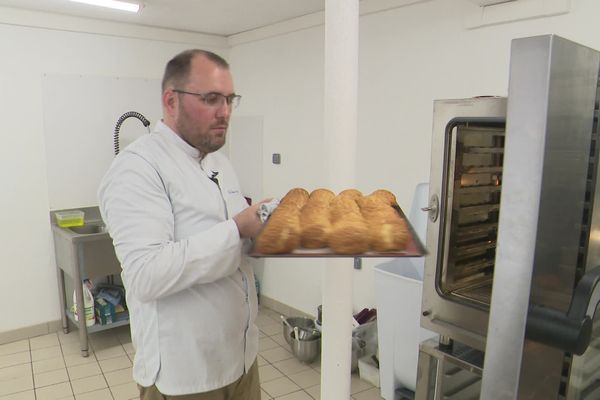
(137, 211)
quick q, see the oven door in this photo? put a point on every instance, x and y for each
(465, 189)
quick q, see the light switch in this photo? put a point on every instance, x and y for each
(276, 158)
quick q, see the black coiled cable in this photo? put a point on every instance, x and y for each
(122, 118)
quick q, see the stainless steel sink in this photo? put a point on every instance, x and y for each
(89, 229)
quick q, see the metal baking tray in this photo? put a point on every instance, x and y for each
(414, 248)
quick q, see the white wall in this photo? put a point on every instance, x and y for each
(409, 56)
(29, 284)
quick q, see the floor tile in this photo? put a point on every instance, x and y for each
(314, 392)
(119, 377)
(277, 354)
(41, 342)
(83, 371)
(358, 385)
(26, 395)
(263, 395)
(291, 366)
(73, 348)
(110, 352)
(102, 394)
(125, 391)
(279, 387)
(306, 379)
(267, 343)
(268, 373)
(54, 392)
(88, 384)
(370, 394)
(72, 360)
(16, 385)
(46, 353)
(271, 329)
(9, 360)
(48, 365)
(261, 361)
(16, 371)
(113, 364)
(300, 395)
(14, 347)
(50, 378)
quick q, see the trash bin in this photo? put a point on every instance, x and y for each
(398, 289)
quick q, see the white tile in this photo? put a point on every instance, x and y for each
(280, 386)
(26, 395)
(72, 360)
(299, 395)
(46, 353)
(261, 361)
(113, 364)
(110, 352)
(268, 373)
(9, 360)
(48, 365)
(125, 391)
(16, 385)
(370, 394)
(358, 385)
(50, 378)
(306, 379)
(88, 384)
(102, 394)
(291, 366)
(119, 377)
(54, 392)
(14, 347)
(314, 392)
(263, 395)
(44, 341)
(271, 329)
(267, 343)
(16, 371)
(83, 371)
(277, 354)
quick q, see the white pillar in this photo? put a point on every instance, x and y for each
(340, 125)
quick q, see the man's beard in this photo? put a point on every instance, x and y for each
(204, 142)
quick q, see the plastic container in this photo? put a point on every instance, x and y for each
(67, 219)
(368, 370)
(398, 295)
(88, 305)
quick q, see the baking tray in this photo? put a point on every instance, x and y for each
(414, 248)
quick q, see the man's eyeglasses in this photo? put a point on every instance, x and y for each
(215, 99)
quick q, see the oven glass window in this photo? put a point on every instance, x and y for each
(473, 183)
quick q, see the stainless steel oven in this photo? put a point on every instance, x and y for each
(510, 280)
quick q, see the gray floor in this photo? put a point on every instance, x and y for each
(50, 367)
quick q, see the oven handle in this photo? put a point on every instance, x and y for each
(569, 332)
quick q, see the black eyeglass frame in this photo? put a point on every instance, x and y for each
(233, 100)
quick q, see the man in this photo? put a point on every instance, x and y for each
(178, 221)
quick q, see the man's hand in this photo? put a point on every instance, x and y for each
(248, 221)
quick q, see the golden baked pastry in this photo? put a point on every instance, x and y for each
(353, 193)
(385, 195)
(296, 196)
(387, 229)
(350, 235)
(314, 220)
(282, 232)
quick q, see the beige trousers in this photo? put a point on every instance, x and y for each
(247, 387)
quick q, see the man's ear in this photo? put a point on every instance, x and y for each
(169, 99)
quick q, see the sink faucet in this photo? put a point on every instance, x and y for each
(120, 121)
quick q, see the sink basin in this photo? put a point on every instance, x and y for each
(88, 229)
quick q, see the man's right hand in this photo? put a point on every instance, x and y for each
(248, 221)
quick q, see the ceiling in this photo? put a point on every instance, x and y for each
(217, 17)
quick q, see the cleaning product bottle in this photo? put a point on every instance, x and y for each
(88, 304)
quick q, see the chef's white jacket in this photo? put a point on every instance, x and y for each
(190, 293)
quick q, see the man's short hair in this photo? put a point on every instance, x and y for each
(178, 68)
